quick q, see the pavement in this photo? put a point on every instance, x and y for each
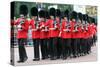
(30, 52)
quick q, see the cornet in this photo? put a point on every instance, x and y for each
(67, 27)
(20, 24)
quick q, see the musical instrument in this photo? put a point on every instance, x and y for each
(20, 24)
(76, 27)
(55, 24)
(68, 27)
(37, 25)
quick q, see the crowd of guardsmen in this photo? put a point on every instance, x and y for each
(59, 34)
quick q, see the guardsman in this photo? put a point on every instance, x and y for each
(43, 33)
(90, 35)
(52, 34)
(66, 35)
(78, 34)
(35, 32)
(73, 23)
(94, 27)
(58, 42)
(86, 35)
(93, 31)
(83, 37)
(22, 26)
(47, 17)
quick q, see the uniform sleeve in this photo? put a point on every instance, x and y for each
(16, 22)
(62, 26)
(58, 25)
(32, 24)
(25, 26)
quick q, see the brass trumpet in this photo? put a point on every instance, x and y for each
(37, 24)
(20, 25)
(76, 28)
(55, 24)
(67, 27)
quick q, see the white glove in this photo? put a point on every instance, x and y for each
(19, 27)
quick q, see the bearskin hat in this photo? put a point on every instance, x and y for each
(58, 12)
(73, 15)
(47, 15)
(66, 13)
(34, 11)
(52, 12)
(42, 14)
(23, 10)
(79, 16)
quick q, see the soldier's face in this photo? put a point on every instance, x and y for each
(34, 17)
(65, 18)
(79, 21)
(73, 20)
(22, 16)
(51, 17)
(57, 19)
(41, 19)
(62, 20)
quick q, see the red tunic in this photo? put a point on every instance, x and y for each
(51, 28)
(65, 34)
(86, 33)
(47, 32)
(95, 29)
(42, 30)
(35, 34)
(57, 31)
(52, 31)
(73, 34)
(79, 33)
(24, 32)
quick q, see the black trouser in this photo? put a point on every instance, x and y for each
(74, 46)
(36, 48)
(47, 49)
(59, 47)
(78, 46)
(88, 45)
(66, 47)
(94, 38)
(22, 51)
(43, 43)
(83, 46)
(53, 48)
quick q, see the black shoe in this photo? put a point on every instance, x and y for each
(46, 57)
(25, 59)
(64, 58)
(70, 56)
(88, 52)
(20, 61)
(43, 58)
(58, 57)
(74, 56)
(36, 59)
(78, 55)
(52, 58)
